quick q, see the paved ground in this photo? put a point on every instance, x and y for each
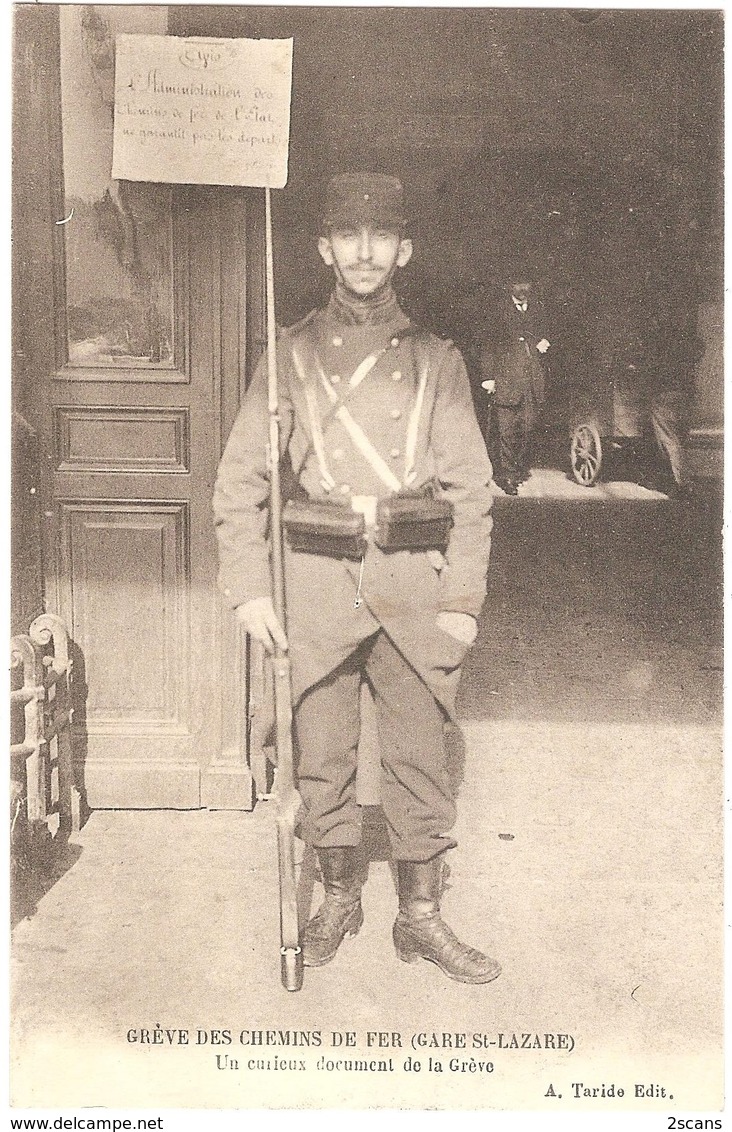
(551, 483)
(589, 864)
(609, 612)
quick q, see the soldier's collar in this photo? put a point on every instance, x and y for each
(356, 312)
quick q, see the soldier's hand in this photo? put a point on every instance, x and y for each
(462, 626)
(261, 622)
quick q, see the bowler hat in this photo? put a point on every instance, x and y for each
(364, 198)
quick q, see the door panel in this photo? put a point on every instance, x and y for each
(127, 564)
(122, 440)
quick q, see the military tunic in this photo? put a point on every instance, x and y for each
(379, 370)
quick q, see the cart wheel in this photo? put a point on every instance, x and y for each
(586, 454)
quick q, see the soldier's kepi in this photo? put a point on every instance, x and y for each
(385, 562)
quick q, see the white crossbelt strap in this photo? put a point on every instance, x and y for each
(410, 448)
(367, 450)
(359, 437)
(315, 424)
(364, 369)
(354, 430)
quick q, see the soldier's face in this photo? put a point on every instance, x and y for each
(364, 258)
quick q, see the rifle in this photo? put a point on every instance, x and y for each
(284, 792)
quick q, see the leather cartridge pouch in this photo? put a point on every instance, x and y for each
(413, 520)
(324, 528)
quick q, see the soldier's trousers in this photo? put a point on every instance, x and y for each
(417, 793)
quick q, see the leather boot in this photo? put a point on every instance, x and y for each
(340, 915)
(420, 931)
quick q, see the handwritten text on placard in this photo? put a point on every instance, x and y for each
(202, 111)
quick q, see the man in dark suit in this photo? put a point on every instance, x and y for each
(513, 372)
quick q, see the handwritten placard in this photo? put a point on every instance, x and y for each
(202, 111)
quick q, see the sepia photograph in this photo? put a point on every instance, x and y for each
(366, 511)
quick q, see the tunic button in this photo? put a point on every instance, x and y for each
(337, 453)
(395, 414)
(394, 453)
(397, 375)
(345, 489)
(337, 341)
(335, 378)
(395, 341)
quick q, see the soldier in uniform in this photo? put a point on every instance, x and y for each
(512, 370)
(371, 405)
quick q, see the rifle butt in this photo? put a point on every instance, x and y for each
(290, 950)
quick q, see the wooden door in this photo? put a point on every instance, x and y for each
(138, 388)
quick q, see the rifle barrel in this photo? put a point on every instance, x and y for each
(285, 791)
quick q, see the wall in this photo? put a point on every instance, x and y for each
(584, 151)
